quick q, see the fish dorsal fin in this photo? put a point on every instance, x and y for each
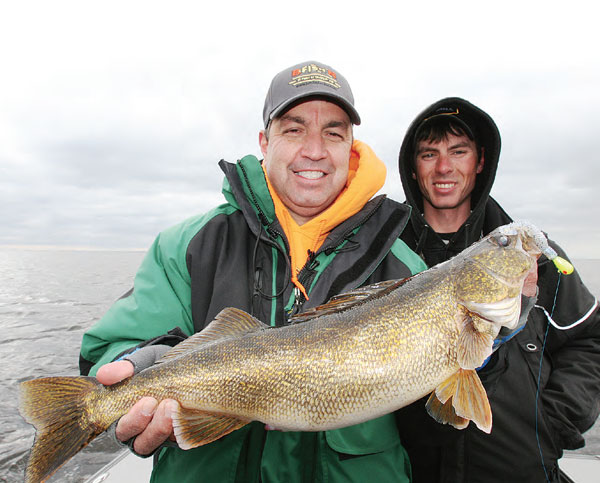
(344, 301)
(232, 322)
(466, 395)
(229, 323)
(194, 428)
(475, 341)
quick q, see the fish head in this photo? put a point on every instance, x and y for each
(497, 270)
(510, 252)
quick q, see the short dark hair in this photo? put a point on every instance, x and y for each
(439, 128)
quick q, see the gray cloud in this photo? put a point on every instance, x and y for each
(107, 139)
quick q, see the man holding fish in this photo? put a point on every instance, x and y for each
(249, 280)
(543, 380)
(297, 228)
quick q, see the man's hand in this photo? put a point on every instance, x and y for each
(114, 372)
(148, 421)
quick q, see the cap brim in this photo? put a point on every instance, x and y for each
(340, 101)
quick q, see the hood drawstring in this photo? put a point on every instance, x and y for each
(422, 240)
(348, 247)
(257, 287)
(467, 237)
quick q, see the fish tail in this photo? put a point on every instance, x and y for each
(57, 407)
(459, 399)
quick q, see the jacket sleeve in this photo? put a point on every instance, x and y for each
(159, 301)
(571, 397)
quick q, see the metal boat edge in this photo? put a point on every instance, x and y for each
(127, 468)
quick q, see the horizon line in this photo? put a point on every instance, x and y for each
(76, 248)
(86, 248)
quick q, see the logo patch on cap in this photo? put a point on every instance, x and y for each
(313, 73)
(442, 111)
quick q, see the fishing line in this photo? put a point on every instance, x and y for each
(574, 324)
(537, 394)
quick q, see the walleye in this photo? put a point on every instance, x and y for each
(362, 355)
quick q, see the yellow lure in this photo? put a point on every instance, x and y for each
(563, 265)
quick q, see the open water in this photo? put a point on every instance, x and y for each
(47, 300)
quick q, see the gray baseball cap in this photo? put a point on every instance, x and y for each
(308, 79)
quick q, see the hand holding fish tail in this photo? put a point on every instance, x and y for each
(114, 372)
(147, 421)
(131, 363)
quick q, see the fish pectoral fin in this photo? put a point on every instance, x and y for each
(475, 341)
(194, 428)
(444, 412)
(228, 323)
(461, 397)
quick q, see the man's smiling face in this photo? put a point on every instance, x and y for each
(446, 172)
(306, 156)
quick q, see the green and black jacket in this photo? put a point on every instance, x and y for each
(237, 255)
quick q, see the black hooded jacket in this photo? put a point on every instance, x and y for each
(543, 384)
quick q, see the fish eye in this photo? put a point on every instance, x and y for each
(503, 240)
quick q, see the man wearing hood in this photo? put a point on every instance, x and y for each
(543, 381)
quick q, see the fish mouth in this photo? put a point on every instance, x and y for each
(530, 282)
(506, 312)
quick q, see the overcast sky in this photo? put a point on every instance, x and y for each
(113, 115)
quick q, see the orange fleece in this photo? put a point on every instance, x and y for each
(366, 176)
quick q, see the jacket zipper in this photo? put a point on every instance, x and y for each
(272, 235)
(299, 299)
